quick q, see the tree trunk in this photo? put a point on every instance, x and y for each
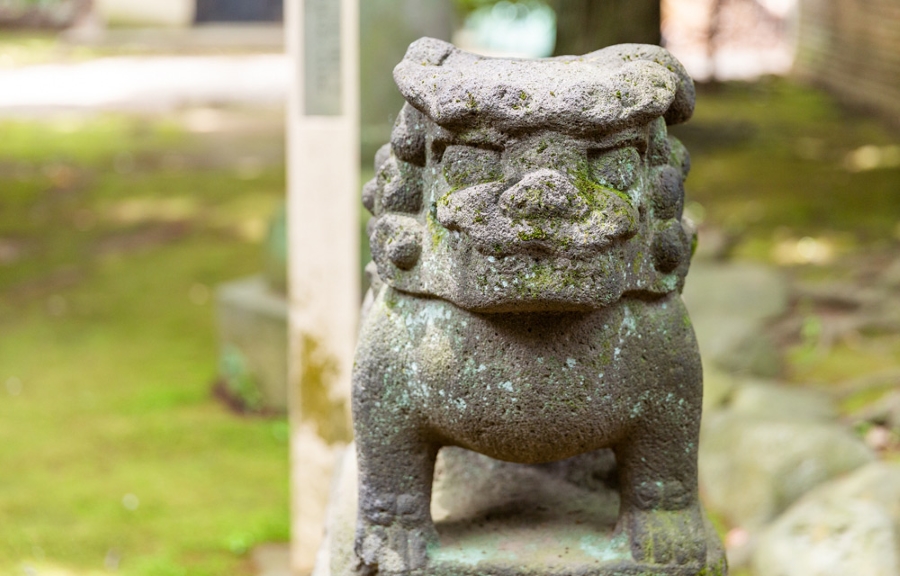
(583, 26)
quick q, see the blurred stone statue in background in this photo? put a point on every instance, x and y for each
(525, 313)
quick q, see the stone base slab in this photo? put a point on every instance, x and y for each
(498, 518)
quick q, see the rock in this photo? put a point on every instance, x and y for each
(752, 291)
(847, 526)
(885, 410)
(773, 401)
(730, 305)
(253, 343)
(756, 354)
(753, 468)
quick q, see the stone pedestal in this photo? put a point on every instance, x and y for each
(500, 518)
(253, 336)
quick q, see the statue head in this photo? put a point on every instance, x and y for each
(533, 185)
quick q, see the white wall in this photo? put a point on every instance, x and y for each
(147, 12)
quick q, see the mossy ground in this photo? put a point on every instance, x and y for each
(773, 160)
(113, 233)
(794, 179)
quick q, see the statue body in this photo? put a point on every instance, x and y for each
(530, 250)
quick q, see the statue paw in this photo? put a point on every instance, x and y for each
(667, 536)
(392, 549)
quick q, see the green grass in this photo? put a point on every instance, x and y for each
(108, 352)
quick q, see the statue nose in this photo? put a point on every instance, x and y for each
(543, 193)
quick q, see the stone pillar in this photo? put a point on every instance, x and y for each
(323, 264)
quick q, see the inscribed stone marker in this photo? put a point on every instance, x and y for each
(323, 264)
(322, 58)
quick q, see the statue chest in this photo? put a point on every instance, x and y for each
(591, 374)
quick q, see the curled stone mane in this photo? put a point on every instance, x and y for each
(533, 185)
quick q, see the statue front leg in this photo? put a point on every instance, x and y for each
(660, 509)
(396, 468)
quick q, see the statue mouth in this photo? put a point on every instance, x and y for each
(543, 213)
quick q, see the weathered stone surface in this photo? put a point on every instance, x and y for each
(507, 519)
(530, 250)
(620, 86)
(753, 468)
(848, 526)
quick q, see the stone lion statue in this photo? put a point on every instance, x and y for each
(529, 251)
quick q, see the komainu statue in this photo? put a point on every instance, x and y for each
(529, 252)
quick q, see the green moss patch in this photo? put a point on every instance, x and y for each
(116, 453)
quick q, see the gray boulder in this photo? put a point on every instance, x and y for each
(774, 401)
(730, 304)
(848, 526)
(751, 468)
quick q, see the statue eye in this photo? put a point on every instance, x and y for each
(615, 168)
(466, 166)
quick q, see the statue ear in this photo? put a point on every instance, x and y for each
(429, 51)
(408, 136)
(682, 106)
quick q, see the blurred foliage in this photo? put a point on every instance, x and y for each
(583, 26)
(113, 233)
(468, 6)
(41, 14)
(789, 177)
(844, 361)
(17, 49)
(772, 161)
(37, 2)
